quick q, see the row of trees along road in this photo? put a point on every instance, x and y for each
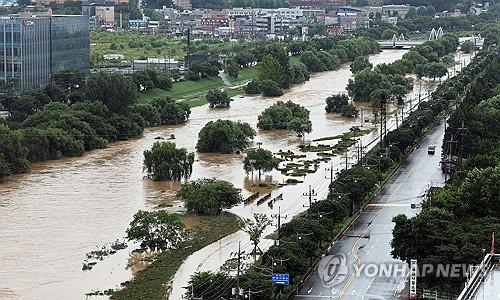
(308, 235)
(457, 221)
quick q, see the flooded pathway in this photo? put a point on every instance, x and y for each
(65, 208)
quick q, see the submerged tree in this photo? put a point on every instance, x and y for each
(261, 160)
(209, 196)
(156, 230)
(166, 162)
(360, 63)
(218, 99)
(350, 111)
(335, 103)
(224, 136)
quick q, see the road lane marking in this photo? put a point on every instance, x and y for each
(397, 186)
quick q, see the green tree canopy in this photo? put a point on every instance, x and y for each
(214, 285)
(209, 196)
(350, 111)
(218, 99)
(467, 46)
(253, 87)
(261, 160)
(436, 70)
(12, 152)
(360, 63)
(279, 115)
(166, 162)
(69, 79)
(364, 83)
(335, 103)
(116, 91)
(255, 228)
(270, 88)
(275, 65)
(300, 126)
(156, 230)
(224, 136)
(170, 111)
(233, 69)
(388, 33)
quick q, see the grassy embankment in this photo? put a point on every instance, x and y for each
(152, 282)
(193, 92)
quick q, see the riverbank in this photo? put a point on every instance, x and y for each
(153, 281)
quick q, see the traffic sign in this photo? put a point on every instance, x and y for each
(413, 206)
(281, 279)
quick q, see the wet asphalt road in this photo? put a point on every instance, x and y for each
(366, 245)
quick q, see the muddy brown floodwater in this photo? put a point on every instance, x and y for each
(63, 209)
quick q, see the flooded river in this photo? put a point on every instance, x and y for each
(65, 208)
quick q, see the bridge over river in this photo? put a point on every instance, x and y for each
(402, 42)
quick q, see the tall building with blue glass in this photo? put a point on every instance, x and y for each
(34, 48)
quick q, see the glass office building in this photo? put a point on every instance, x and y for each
(33, 48)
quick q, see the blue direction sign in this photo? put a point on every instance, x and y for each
(281, 279)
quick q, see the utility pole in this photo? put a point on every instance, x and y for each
(250, 292)
(331, 172)
(461, 132)
(346, 159)
(360, 152)
(383, 120)
(310, 194)
(420, 91)
(448, 160)
(237, 292)
(278, 225)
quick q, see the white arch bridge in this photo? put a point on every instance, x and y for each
(401, 41)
